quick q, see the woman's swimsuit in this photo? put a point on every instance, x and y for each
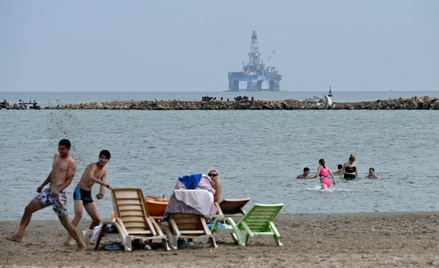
(324, 176)
(351, 170)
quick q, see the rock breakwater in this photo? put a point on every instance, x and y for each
(414, 103)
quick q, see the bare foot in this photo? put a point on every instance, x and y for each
(14, 238)
(69, 243)
(81, 248)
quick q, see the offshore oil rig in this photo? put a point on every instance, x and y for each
(255, 72)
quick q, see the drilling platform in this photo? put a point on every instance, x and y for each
(255, 72)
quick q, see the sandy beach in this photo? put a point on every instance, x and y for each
(309, 240)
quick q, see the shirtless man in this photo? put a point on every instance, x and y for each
(305, 174)
(94, 173)
(339, 169)
(63, 170)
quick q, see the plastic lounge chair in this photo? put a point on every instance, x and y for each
(258, 221)
(189, 226)
(156, 209)
(132, 219)
(232, 207)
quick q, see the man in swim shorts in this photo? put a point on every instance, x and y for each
(63, 170)
(305, 174)
(94, 173)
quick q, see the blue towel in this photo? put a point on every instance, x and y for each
(220, 225)
(190, 181)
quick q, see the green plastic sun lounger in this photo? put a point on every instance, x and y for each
(258, 221)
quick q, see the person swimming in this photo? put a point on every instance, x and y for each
(372, 174)
(339, 169)
(323, 172)
(305, 174)
(350, 169)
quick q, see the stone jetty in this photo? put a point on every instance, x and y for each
(415, 103)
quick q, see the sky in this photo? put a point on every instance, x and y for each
(154, 46)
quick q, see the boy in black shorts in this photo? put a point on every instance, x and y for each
(94, 173)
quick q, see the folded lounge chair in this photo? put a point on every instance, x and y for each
(258, 221)
(132, 219)
(232, 207)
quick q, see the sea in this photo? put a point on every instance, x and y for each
(258, 153)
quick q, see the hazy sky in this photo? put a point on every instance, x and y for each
(192, 45)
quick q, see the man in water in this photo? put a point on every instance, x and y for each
(305, 174)
(63, 170)
(339, 169)
(94, 173)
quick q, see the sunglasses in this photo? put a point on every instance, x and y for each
(212, 175)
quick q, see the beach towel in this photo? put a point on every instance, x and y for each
(202, 184)
(190, 181)
(201, 200)
(109, 229)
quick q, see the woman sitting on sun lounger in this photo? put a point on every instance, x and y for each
(214, 176)
(195, 194)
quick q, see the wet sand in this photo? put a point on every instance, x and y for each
(402, 239)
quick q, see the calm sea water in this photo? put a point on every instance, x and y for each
(258, 153)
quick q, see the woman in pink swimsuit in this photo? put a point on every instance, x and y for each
(323, 172)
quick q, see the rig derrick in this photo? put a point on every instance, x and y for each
(255, 72)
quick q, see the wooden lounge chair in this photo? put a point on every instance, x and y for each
(156, 209)
(189, 226)
(232, 207)
(258, 221)
(132, 219)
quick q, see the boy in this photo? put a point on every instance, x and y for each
(94, 173)
(305, 174)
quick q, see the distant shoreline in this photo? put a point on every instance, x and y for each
(414, 103)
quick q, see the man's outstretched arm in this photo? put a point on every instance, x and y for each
(39, 189)
(101, 193)
(94, 179)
